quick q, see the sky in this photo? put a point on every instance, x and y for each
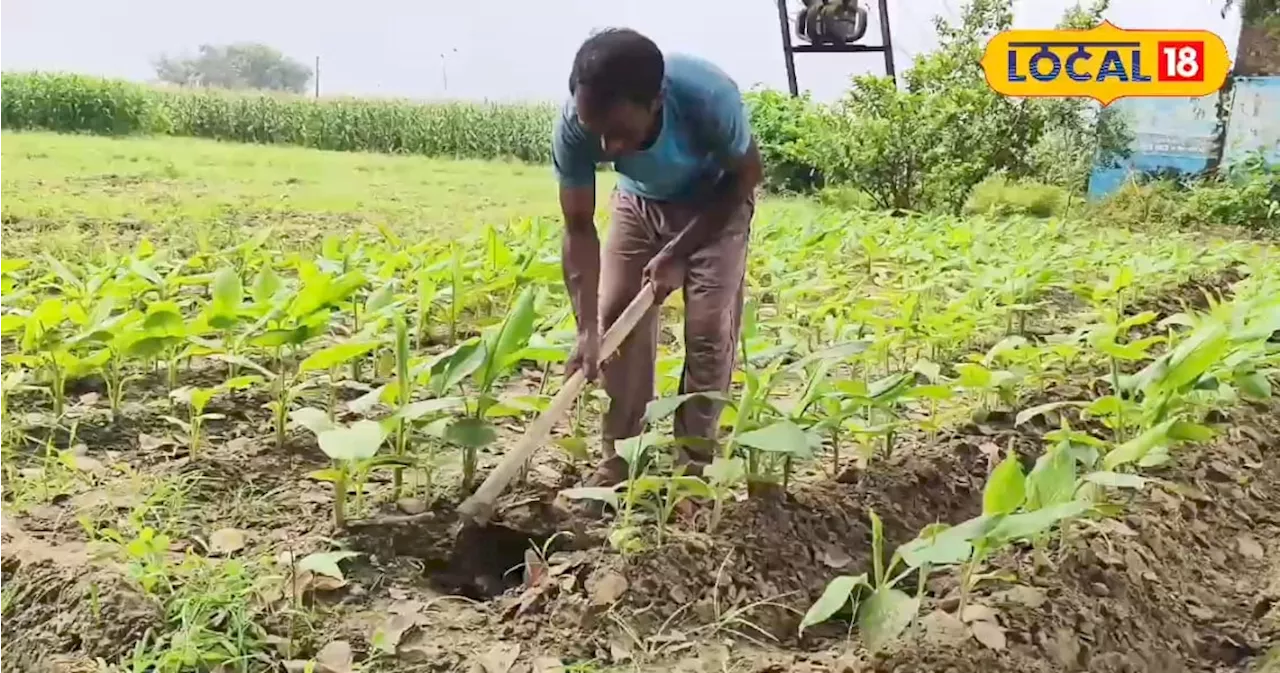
(432, 49)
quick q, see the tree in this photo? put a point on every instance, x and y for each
(925, 145)
(244, 65)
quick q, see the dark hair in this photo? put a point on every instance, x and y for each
(617, 65)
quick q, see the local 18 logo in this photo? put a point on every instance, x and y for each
(1106, 63)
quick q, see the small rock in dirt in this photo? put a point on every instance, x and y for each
(406, 607)
(420, 649)
(1065, 648)
(499, 658)
(950, 603)
(90, 399)
(149, 443)
(1100, 589)
(387, 636)
(1249, 547)
(226, 541)
(978, 613)
(547, 665)
(608, 589)
(336, 657)
(1024, 595)
(988, 634)
(943, 628)
(411, 505)
(835, 557)
(1200, 612)
(296, 666)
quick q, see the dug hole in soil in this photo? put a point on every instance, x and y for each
(1187, 579)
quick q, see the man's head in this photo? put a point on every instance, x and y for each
(617, 86)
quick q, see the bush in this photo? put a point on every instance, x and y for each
(997, 196)
(781, 125)
(1245, 195)
(79, 104)
(925, 146)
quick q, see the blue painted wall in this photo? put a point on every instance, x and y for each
(1169, 133)
(1178, 133)
(1255, 120)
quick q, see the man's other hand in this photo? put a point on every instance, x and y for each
(666, 273)
(585, 356)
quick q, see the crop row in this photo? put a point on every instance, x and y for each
(81, 104)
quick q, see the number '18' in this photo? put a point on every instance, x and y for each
(1182, 61)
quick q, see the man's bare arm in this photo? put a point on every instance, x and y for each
(581, 256)
(740, 179)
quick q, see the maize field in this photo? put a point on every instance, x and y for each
(76, 103)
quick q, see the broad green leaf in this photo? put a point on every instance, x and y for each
(381, 298)
(889, 387)
(265, 285)
(1133, 450)
(312, 419)
(948, 546)
(725, 471)
(241, 382)
(1255, 385)
(1185, 431)
(1052, 480)
(149, 347)
(1041, 409)
(930, 392)
(1115, 479)
(514, 335)
(274, 338)
(163, 321)
(973, 375)
(665, 406)
(335, 355)
(692, 486)
(1032, 524)
(779, 437)
(462, 361)
(575, 447)
(1006, 487)
(835, 597)
(1190, 359)
(415, 410)
(326, 563)
(1136, 320)
(632, 448)
(472, 433)
(885, 615)
(226, 289)
(359, 441)
(328, 474)
(605, 494)
(1107, 405)
(833, 353)
(929, 370)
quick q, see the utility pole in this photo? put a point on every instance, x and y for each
(444, 68)
(317, 76)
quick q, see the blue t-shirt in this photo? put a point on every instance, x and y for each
(704, 122)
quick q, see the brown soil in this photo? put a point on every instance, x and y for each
(1187, 579)
(61, 612)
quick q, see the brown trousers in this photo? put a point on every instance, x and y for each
(713, 291)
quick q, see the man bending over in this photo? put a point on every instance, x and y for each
(676, 130)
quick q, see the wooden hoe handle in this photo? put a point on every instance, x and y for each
(479, 507)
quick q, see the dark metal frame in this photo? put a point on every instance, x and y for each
(789, 50)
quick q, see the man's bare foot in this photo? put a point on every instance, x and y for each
(611, 472)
